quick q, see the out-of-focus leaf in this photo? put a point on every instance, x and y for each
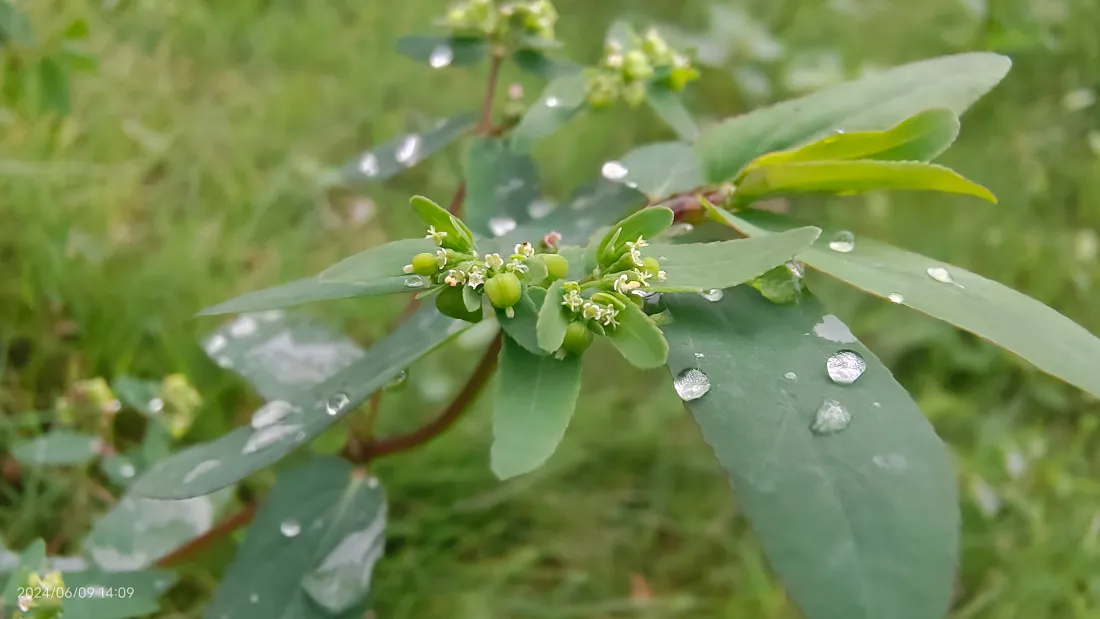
(521, 327)
(646, 223)
(669, 105)
(53, 85)
(14, 25)
(592, 207)
(561, 100)
(380, 263)
(308, 290)
(442, 52)
(121, 469)
(119, 595)
(390, 158)
(456, 235)
(552, 321)
(638, 340)
(658, 170)
(58, 448)
(312, 548)
(31, 560)
(538, 63)
(143, 396)
(501, 186)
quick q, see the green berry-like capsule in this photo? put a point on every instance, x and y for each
(651, 266)
(504, 290)
(557, 266)
(577, 338)
(449, 303)
(636, 65)
(634, 93)
(425, 264)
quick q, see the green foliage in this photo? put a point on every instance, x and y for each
(36, 68)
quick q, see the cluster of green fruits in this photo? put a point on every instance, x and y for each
(624, 73)
(534, 19)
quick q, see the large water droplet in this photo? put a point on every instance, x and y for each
(614, 171)
(831, 417)
(415, 281)
(797, 268)
(290, 528)
(790, 376)
(262, 439)
(552, 101)
(940, 274)
(691, 384)
(336, 404)
(843, 242)
(845, 367)
(156, 405)
(407, 153)
(895, 297)
(243, 326)
(127, 470)
(201, 468)
(368, 165)
(832, 329)
(254, 598)
(271, 413)
(398, 381)
(500, 226)
(712, 295)
(540, 208)
(441, 56)
(215, 344)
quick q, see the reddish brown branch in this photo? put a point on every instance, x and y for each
(200, 543)
(486, 125)
(377, 448)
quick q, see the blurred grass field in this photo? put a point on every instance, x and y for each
(187, 173)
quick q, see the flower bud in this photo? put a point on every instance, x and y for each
(449, 303)
(557, 266)
(504, 290)
(577, 338)
(425, 264)
(636, 65)
(603, 89)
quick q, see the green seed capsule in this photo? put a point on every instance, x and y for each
(504, 290)
(651, 266)
(557, 266)
(449, 303)
(636, 65)
(425, 264)
(577, 338)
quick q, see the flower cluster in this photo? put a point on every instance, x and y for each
(533, 19)
(624, 73)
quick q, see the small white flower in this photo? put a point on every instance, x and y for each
(609, 315)
(408, 268)
(441, 258)
(476, 277)
(525, 249)
(435, 235)
(615, 61)
(592, 311)
(661, 276)
(636, 250)
(643, 277)
(494, 261)
(573, 300)
(623, 285)
(25, 603)
(455, 278)
(516, 265)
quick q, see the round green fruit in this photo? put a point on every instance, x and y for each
(504, 290)
(425, 264)
(449, 303)
(557, 266)
(577, 338)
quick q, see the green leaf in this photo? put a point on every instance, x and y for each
(58, 448)
(381, 263)
(458, 236)
(14, 25)
(53, 83)
(552, 320)
(535, 399)
(669, 106)
(638, 340)
(310, 552)
(442, 52)
(560, 101)
(871, 103)
(696, 267)
(522, 327)
(658, 170)
(471, 299)
(30, 561)
(853, 177)
(281, 355)
(143, 396)
(138, 532)
(308, 290)
(862, 523)
(207, 467)
(122, 595)
(121, 469)
(390, 158)
(590, 208)
(921, 137)
(1053, 343)
(538, 63)
(501, 186)
(646, 223)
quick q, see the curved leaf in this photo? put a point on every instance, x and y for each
(440, 52)
(456, 235)
(646, 223)
(58, 448)
(535, 399)
(500, 184)
(552, 321)
(638, 340)
(307, 290)
(873, 102)
(397, 155)
(560, 101)
(521, 327)
(1053, 343)
(862, 523)
(381, 263)
(669, 105)
(140, 597)
(662, 169)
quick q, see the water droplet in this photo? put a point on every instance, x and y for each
(127, 470)
(441, 56)
(398, 381)
(614, 171)
(414, 281)
(336, 404)
(713, 295)
(501, 225)
(699, 355)
(831, 417)
(271, 413)
(797, 268)
(895, 297)
(215, 344)
(845, 367)
(372, 482)
(985, 496)
(254, 598)
(262, 439)
(940, 274)
(832, 329)
(368, 165)
(790, 376)
(876, 404)
(552, 101)
(407, 153)
(156, 405)
(1015, 464)
(691, 384)
(290, 528)
(271, 315)
(224, 362)
(202, 467)
(243, 326)
(679, 228)
(113, 406)
(891, 462)
(843, 242)
(540, 208)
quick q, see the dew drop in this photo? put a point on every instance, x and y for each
(127, 470)
(243, 326)
(891, 462)
(844, 242)
(398, 381)
(713, 295)
(500, 226)
(254, 598)
(552, 102)
(831, 417)
(368, 165)
(797, 268)
(699, 355)
(790, 376)
(414, 281)
(224, 362)
(215, 344)
(441, 56)
(845, 367)
(614, 171)
(202, 467)
(290, 528)
(679, 228)
(156, 405)
(940, 274)
(540, 208)
(372, 482)
(262, 439)
(407, 153)
(876, 404)
(270, 414)
(691, 384)
(895, 297)
(336, 404)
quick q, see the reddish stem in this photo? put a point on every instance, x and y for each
(205, 540)
(486, 125)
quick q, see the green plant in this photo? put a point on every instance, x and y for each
(38, 71)
(858, 518)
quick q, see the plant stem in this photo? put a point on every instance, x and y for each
(485, 127)
(201, 542)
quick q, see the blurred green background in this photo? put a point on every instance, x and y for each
(188, 172)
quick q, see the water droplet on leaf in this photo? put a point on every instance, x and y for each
(691, 384)
(254, 598)
(368, 165)
(790, 376)
(243, 326)
(552, 102)
(271, 413)
(215, 344)
(202, 467)
(500, 226)
(845, 367)
(398, 381)
(844, 242)
(336, 404)
(891, 462)
(712, 295)
(262, 439)
(540, 208)
(156, 405)
(408, 151)
(127, 470)
(797, 268)
(614, 171)
(940, 274)
(290, 528)
(441, 56)
(414, 281)
(831, 417)
(895, 297)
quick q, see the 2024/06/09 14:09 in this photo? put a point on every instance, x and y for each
(75, 592)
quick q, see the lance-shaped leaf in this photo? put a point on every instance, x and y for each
(535, 399)
(645, 224)
(658, 170)
(560, 101)
(694, 267)
(921, 137)
(591, 207)
(390, 158)
(538, 63)
(279, 354)
(853, 177)
(553, 320)
(521, 327)
(311, 550)
(637, 339)
(669, 105)
(1053, 343)
(284, 425)
(379, 263)
(58, 448)
(124, 594)
(860, 516)
(455, 234)
(440, 52)
(501, 186)
(871, 103)
(309, 290)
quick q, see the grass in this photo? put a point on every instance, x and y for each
(186, 174)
